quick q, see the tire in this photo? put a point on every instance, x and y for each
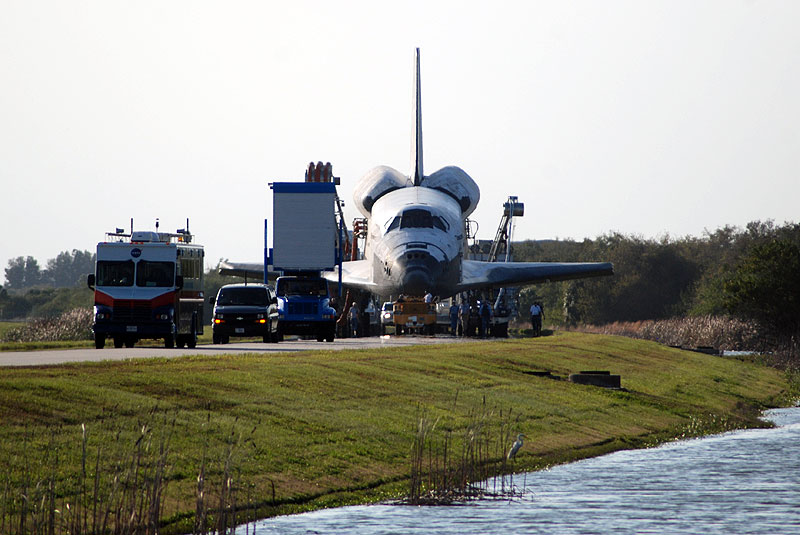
(118, 342)
(191, 339)
(273, 335)
(169, 341)
(320, 337)
(180, 341)
(99, 341)
(225, 339)
(129, 342)
(216, 339)
(267, 338)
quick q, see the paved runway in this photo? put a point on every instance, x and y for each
(60, 356)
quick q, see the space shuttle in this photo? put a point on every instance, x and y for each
(417, 234)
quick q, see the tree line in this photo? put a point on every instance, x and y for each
(66, 270)
(749, 273)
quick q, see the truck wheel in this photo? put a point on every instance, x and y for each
(169, 341)
(129, 342)
(320, 337)
(118, 341)
(216, 339)
(99, 341)
(191, 338)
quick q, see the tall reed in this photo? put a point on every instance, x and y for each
(116, 487)
(450, 465)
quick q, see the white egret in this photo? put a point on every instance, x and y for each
(515, 447)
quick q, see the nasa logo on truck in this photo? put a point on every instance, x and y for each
(136, 252)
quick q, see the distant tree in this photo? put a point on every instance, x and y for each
(33, 273)
(766, 287)
(69, 269)
(15, 273)
(23, 273)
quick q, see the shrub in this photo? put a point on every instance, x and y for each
(720, 332)
(74, 324)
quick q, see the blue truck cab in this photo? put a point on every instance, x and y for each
(304, 307)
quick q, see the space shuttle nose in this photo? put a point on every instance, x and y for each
(417, 271)
(417, 281)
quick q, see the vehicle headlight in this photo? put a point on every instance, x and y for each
(163, 317)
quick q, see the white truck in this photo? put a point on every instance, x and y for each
(148, 285)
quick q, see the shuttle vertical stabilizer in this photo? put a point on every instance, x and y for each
(417, 148)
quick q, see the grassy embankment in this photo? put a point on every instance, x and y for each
(323, 428)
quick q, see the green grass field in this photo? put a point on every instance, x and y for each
(305, 430)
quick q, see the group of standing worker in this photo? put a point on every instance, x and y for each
(460, 318)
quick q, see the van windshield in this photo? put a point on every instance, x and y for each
(115, 273)
(243, 296)
(160, 274)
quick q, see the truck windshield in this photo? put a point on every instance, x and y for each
(243, 296)
(160, 274)
(119, 273)
(302, 287)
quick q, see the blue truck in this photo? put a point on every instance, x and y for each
(304, 307)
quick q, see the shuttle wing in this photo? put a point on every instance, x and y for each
(355, 274)
(476, 274)
(242, 269)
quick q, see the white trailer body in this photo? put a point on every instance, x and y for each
(304, 226)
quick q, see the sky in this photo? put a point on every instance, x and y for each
(646, 118)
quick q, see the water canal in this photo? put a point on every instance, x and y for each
(735, 483)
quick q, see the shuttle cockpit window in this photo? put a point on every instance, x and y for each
(394, 224)
(418, 218)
